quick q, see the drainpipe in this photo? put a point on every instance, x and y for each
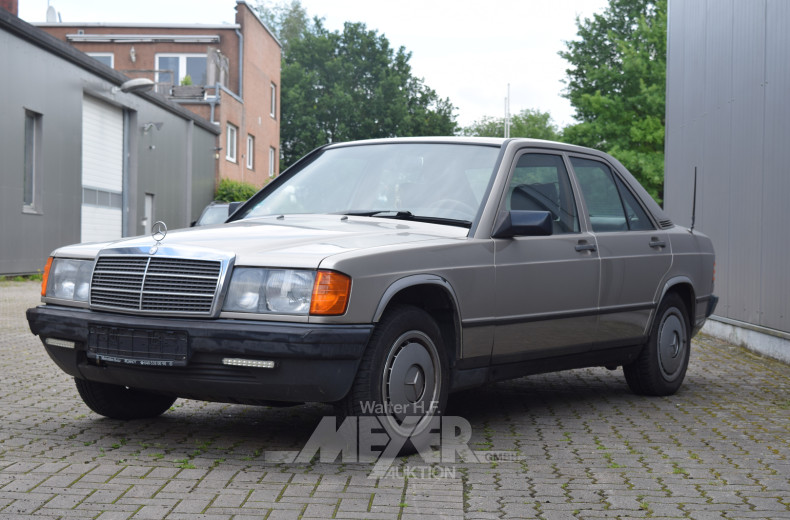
(213, 101)
(243, 128)
(241, 63)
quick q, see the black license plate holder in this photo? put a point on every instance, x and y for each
(141, 347)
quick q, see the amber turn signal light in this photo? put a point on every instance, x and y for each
(45, 277)
(330, 293)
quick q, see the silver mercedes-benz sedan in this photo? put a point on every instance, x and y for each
(381, 276)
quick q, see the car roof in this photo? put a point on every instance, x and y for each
(490, 141)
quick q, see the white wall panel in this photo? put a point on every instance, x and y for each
(102, 167)
(102, 145)
(100, 224)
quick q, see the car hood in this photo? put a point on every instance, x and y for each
(300, 241)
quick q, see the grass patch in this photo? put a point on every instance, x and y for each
(184, 464)
(22, 278)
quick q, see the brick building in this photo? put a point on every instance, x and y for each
(234, 71)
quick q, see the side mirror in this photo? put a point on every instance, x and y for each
(522, 223)
(192, 224)
(233, 206)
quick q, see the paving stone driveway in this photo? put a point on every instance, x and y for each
(717, 449)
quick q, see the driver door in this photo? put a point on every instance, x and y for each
(546, 286)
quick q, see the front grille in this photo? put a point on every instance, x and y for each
(155, 284)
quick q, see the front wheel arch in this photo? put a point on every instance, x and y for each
(403, 378)
(434, 295)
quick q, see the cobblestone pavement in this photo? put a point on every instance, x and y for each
(717, 449)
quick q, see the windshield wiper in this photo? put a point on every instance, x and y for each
(443, 220)
(408, 215)
(390, 213)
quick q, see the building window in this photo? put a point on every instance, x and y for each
(171, 69)
(272, 156)
(250, 151)
(230, 143)
(31, 187)
(273, 107)
(107, 58)
(102, 198)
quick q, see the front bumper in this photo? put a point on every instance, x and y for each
(313, 362)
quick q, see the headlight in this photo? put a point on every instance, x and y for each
(70, 279)
(288, 291)
(279, 291)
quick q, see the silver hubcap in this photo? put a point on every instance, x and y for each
(415, 383)
(672, 344)
(411, 382)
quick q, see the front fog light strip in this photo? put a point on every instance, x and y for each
(54, 342)
(252, 363)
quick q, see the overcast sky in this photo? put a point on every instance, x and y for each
(466, 50)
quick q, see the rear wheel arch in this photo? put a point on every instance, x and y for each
(661, 365)
(682, 286)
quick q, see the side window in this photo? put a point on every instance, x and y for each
(31, 193)
(637, 218)
(540, 183)
(611, 206)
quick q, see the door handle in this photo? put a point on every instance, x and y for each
(584, 246)
(656, 242)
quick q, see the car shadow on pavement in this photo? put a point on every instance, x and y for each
(199, 434)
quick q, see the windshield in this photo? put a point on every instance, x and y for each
(414, 180)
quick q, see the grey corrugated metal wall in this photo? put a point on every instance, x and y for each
(728, 114)
(174, 161)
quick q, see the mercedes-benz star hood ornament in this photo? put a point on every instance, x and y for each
(158, 232)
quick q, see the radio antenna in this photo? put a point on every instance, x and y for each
(694, 202)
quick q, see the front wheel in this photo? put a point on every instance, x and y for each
(120, 402)
(403, 377)
(661, 366)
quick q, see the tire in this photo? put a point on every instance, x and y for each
(661, 366)
(120, 402)
(403, 378)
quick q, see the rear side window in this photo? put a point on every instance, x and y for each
(611, 206)
(540, 183)
(635, 215)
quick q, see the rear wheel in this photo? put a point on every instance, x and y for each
(403, 377)
(120, 402)
(661, 366)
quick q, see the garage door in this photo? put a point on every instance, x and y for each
(102, 171)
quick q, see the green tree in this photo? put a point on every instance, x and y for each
(347, 85)
(288, 21)
(527, 123)
(616, 84)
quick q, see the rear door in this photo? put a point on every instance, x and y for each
(635, 255)
(546, 286)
